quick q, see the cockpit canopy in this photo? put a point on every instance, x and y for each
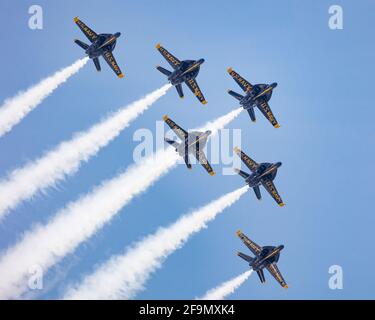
(266, 251)
(263, 167)
(186, 63)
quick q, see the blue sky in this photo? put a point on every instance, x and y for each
(326, 140)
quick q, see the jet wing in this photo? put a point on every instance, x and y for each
(270, 187)
(90, 34)
(193, 86)
(110, 59)
(274, 270)
(245, 85)
(181, 133)
(250, 163)
(172, 60)
(204, 162)
(254, 248)
(267, 112)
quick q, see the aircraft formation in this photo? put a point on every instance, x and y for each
(193, 143)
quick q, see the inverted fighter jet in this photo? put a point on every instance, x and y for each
(101, 45)
(256, 95)
(183, 71)
(191, 143)
(262, 174)
(265, 257)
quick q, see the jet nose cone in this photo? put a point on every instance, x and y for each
(274, 85)
(117, 34)
(278, 164)
(208, 132)
(200, 61)
(281, 247)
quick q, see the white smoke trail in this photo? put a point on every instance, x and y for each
(79, 220)
(15, 109)
(123, 276)
(221, 122)
(227, 288)
(66, 158)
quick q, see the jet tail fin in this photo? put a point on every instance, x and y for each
(164, 71)
(251, 114)
(172, 142)
(180, 91)
(261, 276)
(257, 192)
(83, 45)
(235, 95)
(243, 174)
(245, 257)
(186, 155)
(187, 162)
(97, 64)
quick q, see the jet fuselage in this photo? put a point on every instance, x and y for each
(104, 42)
(195, 141)
(264, 171)
(268, 255)
(258, 93)
(187, 70)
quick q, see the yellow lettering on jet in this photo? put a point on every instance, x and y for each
(241, 80)
(174, 126)
(86, 29)
(169, 56)
(248, 160)
(196, 89)
(273, 191)
(268, 112)
(112, 61)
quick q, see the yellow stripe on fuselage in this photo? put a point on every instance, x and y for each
(109, 41)
(191, 68)
(271, 254)
(196, 141)
(265, 91)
